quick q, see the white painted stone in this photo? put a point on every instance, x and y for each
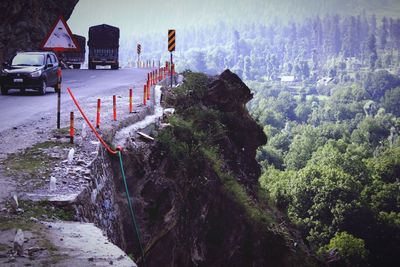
(71, 155)
(53, 182)
(19, 242)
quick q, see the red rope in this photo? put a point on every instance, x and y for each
(91, 126)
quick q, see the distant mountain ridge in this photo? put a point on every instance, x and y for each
(147, 17)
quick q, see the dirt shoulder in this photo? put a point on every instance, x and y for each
(36, 152)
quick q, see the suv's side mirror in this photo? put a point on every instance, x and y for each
(6, 64)
(50, 65)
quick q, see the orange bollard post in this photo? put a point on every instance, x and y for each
(71, 128)
(130, 101)
(150, 78)
(144, 95)
(114, 107)
(148, 92)
(98, 114)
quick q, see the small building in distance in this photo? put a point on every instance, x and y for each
(287, 78)
(324, 81)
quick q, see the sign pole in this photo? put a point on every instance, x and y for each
(58, 107)
(171, 69)
(171, 47)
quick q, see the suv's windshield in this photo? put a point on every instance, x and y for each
(28, 60)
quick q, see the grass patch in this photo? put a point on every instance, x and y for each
(33, 164)
(7, 223)
(62, 131)
(189, 93)
(236, 190)
(3, 247)
(54, 260)
(40, 208)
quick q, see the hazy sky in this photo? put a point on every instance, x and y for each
(138, 17)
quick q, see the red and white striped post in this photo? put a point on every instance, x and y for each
(144, 95)
(114, 107)
(98, 114)
(130, 101)
(71, 128)
(148, 92)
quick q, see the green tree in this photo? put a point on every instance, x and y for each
(379, 82)
(303, 145)
(303, 111)
(350, 249)
(373, 56)
(384, 33)
(247, 72)
(371, 132)
(391, 101)
(285, 104)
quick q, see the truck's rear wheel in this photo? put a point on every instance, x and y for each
(92, 66)
(76, 66)
(4, 90)
(114, 66)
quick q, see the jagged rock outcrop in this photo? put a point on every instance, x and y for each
(228, 94)
(25, 23)
(195, 190)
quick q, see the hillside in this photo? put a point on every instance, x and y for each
(196, 188)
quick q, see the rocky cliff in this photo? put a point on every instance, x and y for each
(25, 23)
(195, 190)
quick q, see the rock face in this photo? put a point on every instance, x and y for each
(228, 94)
(25, 23)
(203, 211)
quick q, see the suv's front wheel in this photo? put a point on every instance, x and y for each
(42, 89)
(4, 90)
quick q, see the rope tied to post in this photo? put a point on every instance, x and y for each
(118, 152)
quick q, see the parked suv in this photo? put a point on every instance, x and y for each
(33, 70)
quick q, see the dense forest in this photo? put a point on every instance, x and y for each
(327, 91)
(333, 46)
(328, 95)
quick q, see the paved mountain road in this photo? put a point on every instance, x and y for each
(17, 108)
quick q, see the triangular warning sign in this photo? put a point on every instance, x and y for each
(60, 38)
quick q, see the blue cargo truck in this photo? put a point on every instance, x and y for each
(103, 46)
(76, 59)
